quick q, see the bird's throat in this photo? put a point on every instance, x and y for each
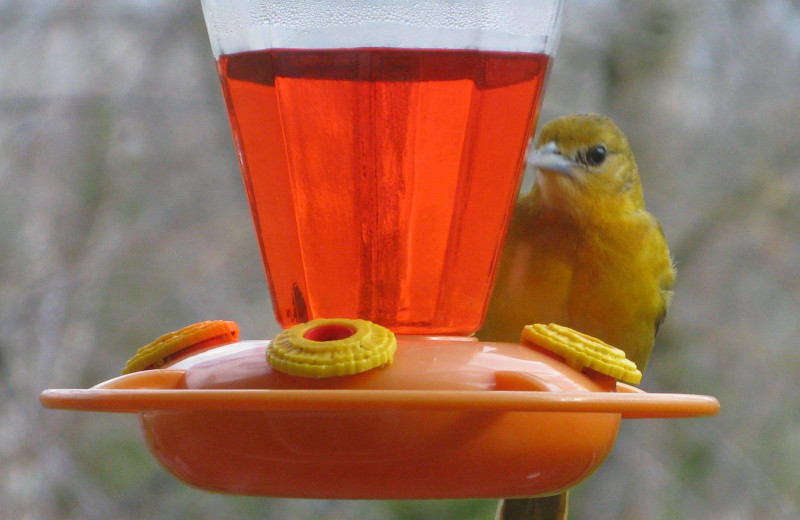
(565, 198)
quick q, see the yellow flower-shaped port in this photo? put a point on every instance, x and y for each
(581, 350)
(331, 347)
(203, 334)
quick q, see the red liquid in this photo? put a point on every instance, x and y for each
(381, 180)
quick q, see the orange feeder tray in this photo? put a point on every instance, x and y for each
(451, 417)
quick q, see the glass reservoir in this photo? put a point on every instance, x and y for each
(381, 145)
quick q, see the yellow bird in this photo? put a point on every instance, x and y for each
(582, 252)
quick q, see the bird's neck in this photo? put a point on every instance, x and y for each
(562, 200)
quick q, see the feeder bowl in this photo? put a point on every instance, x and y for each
(451, 417)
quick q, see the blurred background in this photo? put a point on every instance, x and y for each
(123, 216)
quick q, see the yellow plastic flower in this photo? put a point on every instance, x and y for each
(580, 350)
(331, 347)
(206, 333)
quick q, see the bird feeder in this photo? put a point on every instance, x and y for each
(381, 145)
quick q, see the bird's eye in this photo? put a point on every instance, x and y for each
(596, 155)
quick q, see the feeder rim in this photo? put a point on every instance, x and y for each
(117, 395)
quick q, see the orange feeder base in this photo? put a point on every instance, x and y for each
(450, 418)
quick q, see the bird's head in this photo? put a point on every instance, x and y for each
(585, 155)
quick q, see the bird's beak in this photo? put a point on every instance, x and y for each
(548, 157)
